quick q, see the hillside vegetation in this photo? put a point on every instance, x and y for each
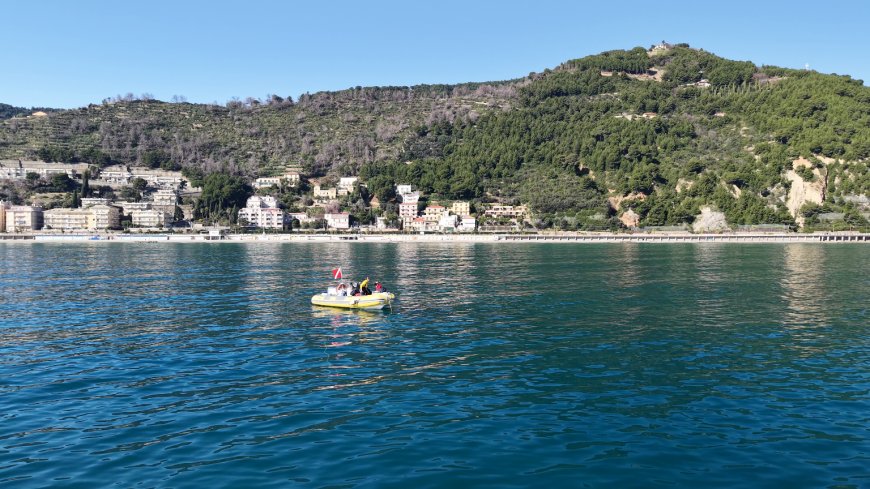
(663, 132)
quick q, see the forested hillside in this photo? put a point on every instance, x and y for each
(660, 132)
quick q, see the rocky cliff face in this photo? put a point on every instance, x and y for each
(630, 219)
(709, 221)
(803, 191)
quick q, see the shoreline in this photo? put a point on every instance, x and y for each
(443, 238)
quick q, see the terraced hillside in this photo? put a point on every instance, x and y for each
(324, 131)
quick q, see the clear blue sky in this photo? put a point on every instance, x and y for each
(72, 53)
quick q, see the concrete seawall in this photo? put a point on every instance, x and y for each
(444, 238)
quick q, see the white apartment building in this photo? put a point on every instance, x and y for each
(467, 225)
(410, 197)
(407, 211)
(116, 174)
(158, 178)
(339, 220)
(150, 218)
(262, 212)
(448, 222)
(18, 170)
(261, 201)
(345, 185)
(165, 197)
(92, 201)
(129, 207)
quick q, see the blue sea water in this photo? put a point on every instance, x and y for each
(501, 365)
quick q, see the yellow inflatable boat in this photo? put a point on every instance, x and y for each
(377, 300)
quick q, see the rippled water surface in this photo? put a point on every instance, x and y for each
(527, 365)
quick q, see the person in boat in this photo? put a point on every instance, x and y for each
(378, 287)
(364, 287)
(341, 290)
(354, 288)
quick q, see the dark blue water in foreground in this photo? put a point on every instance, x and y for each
(528, 365)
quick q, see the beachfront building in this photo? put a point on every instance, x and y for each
(403, 189)
(150, 218)
(448, 222)
(338, 220)
(262, 212)
(68, 219)
(420, 224)
(298, 216)
(433, 213)
(95, 217)
(106, 216)
(407, 212)
(461, 208)
(23, 219)
(468, 224)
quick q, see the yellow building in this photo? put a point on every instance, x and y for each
(96, 217)
(68, 219)
(461, 208)
(433, 213)
(325, 193)
(23, 219)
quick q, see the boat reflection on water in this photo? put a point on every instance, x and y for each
(343, 327)
(349, 317)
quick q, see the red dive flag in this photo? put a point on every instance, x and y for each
(336, 273)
